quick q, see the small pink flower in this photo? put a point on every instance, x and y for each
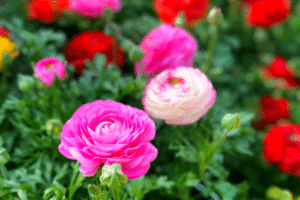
(166, 47)
(47, 68)
(95, 8)
(179, 96)
(109, 132)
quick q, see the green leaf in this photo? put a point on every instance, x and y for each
(227, 190)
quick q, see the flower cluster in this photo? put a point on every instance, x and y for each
(85, 45)
(179, 96)
(281, 73)
(281, 147)
(267, 13)
(193, 10)
(47, 68)
(166, 47)
(109, 132)
(271, 110)
(6, 45)
(46, 11)
(95, 8)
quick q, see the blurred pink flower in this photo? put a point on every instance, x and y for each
(179, 96)
(109, 132)
(166, 47)
(47, 68)
(95, 8)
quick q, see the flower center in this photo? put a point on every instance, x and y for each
(49, 66)
(294, 137)
(174, 80)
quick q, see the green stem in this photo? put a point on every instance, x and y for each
(116, 194)
(212, 47)
(57, 101)
(3, 171)
(204, 159)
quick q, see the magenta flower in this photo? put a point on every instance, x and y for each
(179, 96)
(109, 132)
(95, 8)
(47, 68)
(166, 47)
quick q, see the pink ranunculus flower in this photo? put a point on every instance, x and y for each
(47, 68)
(166, 47)
(95, 8)
(109, 132)
(179, 96)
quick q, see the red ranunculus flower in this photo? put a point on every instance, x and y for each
(86, 44)
(46, 11)
(4, 33)
(282, 148)
(281, 73)
(169, 10)
(267, 13)
(271, 110)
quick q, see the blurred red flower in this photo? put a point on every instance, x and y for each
(4, 33)
(46, 11)
(169, 10)
(267, 13)
(86, 44)
(282, 148)
(281, 73)
(271, 110)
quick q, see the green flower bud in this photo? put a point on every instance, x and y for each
(285, 195)
(112, 176)
(217, 71)
(54, 127)
(94, 191)
(180, 19)
(4, 156)
(25, 83)
(273, 192)
(231, 121)
(136, 53)
(260, 35)
(215, 16)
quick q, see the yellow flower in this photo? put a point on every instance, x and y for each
(7, 46)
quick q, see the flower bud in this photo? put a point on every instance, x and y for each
(25, 83)
(136, 53)
(215, 16)
(231, 121)
(260, 35)
(4, 156)
(112, 176)
(273, 192)
(180, 20)
(94, 191)
(285, 195)
(54, 127)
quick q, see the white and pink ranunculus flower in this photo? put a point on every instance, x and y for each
(46, 69)
(109, 132)
(179, 96)
(95, 8)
